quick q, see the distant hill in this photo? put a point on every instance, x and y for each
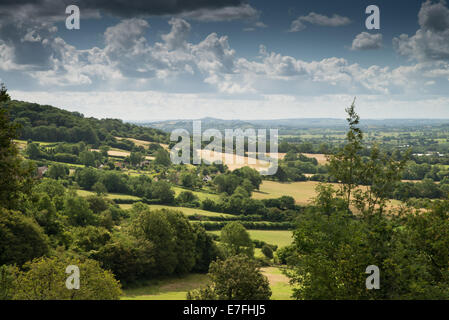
(285, 125)
(50, 124)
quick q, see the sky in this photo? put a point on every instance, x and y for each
(186, 59)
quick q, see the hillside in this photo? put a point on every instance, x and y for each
(51, 124)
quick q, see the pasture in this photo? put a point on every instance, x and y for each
(281, 238)
(302, 191)
(176, 288)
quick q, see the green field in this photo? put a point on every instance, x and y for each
(302, 192)
(166, 289)
(176, 288)
(112, 196)
(199, 194)
(185, 210)
(279, 284)
(281, 238)
(192, 211)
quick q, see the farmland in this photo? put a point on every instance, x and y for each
(176, 288)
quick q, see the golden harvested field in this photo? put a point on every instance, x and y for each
(143, 143)
(234, 161)
(136, 142)
(120, 153)
(321, 158)
(302, 192)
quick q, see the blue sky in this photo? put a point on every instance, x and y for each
(153, 60)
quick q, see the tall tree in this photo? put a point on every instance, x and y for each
(15, 174)
(345, 165)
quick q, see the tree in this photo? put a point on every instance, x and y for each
(162, 157)
(154, 227)
(130, 259)
(206, 250)
(346, 165)
(236, 240)
(186, 197)
(99, 188)
(90, 238)
(236, 278)
(86, 177)
(267, 251)
(378, 172)
(8, 276)
(184, 241)
(57, 171)
(32, 151)
(87, 158)
(45, 279)
(21, 238)
(330, 257)
(135, 158)
(162, 191)
(15, 174)
(78, 212)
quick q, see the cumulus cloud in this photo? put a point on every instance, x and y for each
(130, 61)
(320, 20)
(431, 40)
(367, 41)
(53, 10)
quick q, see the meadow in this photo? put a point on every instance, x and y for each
(281, 238)
(176, 288)
(302, 191)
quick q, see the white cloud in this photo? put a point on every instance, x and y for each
(367, 41)
(431, 40)
(320, 20)
(241, 12)
(128, 61)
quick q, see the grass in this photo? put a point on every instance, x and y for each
(176, 288)
(302, 191)
(184, 210)
(192, 211)
(112, 196)
(201, 195)
(281, 238)
(280, 287)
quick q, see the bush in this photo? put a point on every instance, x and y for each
(45, 279)
(21, 238)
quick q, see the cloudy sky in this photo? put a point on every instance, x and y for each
(152, 60)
